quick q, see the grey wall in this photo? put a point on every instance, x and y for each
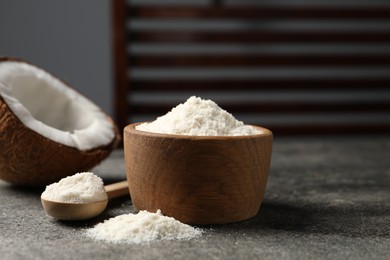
(70, 39)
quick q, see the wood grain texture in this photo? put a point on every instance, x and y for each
(258, 12)
(287, 83)
(259, 36)
(197, 180)
(117, 189)
(258, 60)
(73, 211)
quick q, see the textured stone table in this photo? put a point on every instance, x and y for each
(327, 198)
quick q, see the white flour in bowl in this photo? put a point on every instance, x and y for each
(143, 227)
(84, 187)
(198, 117)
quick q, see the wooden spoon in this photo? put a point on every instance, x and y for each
(81, 211)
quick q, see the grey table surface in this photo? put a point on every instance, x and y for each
(326, 198)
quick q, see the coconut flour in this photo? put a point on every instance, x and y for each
(198, 117)
(84, 187)
(143, 227)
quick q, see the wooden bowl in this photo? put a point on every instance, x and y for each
(197, 179)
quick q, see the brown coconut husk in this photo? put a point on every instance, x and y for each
(29, 159)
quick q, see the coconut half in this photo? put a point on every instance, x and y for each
(48, 130)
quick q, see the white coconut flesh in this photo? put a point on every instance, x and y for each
(49, 107)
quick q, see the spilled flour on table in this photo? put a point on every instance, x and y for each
(143, 227)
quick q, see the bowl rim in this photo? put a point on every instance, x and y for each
(130, 129)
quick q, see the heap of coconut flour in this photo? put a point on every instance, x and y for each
(199, 117)
(143, 227)
(83, 187)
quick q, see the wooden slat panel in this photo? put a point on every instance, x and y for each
(259, 12)
(259, 36)
(261, 84)
(286, 107)
(237, 60)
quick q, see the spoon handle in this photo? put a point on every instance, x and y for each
(117, 189)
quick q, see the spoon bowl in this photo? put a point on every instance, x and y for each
(73, 211)
(81, 211)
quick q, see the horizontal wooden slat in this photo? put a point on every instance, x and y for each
(259, 12)
(258, 36)
(278, 107)
(261, 84)
(328, 129)
(257, 60)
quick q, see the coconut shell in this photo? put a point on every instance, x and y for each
(32, 160)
